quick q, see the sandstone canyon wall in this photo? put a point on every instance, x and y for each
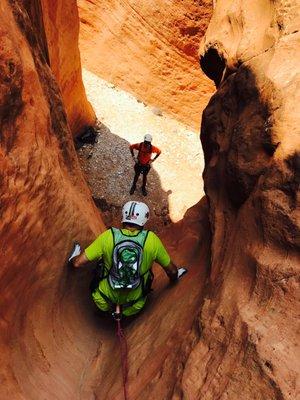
(44, 206)
(57, 28)
(149, 48)
(243, 344)
(52, 344)
(249, 347)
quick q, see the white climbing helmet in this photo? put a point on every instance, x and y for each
(135, 212)
(148, 138)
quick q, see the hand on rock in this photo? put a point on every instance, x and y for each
(75, 251)
(181, 271)
(175, 277)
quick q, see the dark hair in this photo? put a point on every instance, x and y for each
(131, 225)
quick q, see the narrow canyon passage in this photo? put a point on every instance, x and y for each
(161, 337)
(228, 329)
(55, 346)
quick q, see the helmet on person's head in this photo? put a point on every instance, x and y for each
(135, 212)
(148, 138)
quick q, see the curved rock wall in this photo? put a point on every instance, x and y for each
(250, 137)
(44, 205)
(243, 345)
(149, 48)
(61, 23)
(52, 345)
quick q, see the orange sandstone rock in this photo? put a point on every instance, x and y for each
(250, 136)
(44, 206)
(52, 345)
(61, 24)
(149, 48)
(243, 345)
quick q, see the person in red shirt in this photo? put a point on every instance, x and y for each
(143, 161)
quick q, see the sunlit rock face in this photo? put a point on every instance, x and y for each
(52, 345)
(149, 48)
(44, 206)
(243, 345)
(57, 27)
(250, 136)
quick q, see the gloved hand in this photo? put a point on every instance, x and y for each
(175, 277)
(75, 251)
(181, 271)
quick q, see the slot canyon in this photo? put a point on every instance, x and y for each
(229, 329)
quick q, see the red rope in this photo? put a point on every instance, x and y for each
(123, 347)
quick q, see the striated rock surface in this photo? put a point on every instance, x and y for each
(61, 26)
(52, 345)
(149, 48)
(249, 347)
(244, 343)
(44, 205)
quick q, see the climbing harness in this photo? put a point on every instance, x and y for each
(123, 347)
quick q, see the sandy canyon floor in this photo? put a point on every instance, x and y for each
(174, 182)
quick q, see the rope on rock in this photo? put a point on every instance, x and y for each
(124, 356)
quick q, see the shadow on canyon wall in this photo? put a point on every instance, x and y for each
(250, 180)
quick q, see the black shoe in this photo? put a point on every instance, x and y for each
(144, 191)
(132, 190)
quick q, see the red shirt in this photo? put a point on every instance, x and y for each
(145, 152)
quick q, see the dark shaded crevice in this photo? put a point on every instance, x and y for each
(234, 139)
(35, 13)
(213, 65)
(49, 86)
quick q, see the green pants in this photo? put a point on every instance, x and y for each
(103, 304)
(118, 297)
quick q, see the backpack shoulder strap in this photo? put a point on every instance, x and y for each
(117, 235)
(144, 235)
(113, 233)
(140, 148)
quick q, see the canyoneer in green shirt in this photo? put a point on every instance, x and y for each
(127, 256)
